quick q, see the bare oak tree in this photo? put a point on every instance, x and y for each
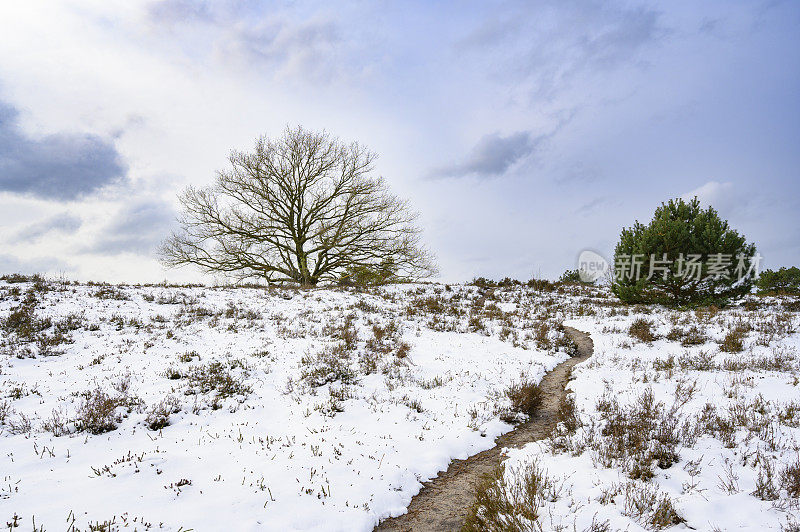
(302, 208)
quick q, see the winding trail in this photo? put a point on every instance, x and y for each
(443, 502)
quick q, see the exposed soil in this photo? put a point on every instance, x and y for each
(443, 502)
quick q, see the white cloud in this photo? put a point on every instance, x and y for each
(636, 96)
(711, 192)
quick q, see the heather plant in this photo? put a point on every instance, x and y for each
(525, 397)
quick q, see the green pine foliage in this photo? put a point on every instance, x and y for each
(781, 281)
(572, 277)
(677, 234)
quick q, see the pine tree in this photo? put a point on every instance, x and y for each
(781, 281)
(685, 256)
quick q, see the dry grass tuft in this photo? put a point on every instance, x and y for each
(567, 414)
(525, 396)
(158, 416)
(511, 506)
(732, 343)
(642, 330)
(790, 479)
(99, 412)
(216, 377)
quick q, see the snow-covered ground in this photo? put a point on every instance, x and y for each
(696, 428)
(236, 408)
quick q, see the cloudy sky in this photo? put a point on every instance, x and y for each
(523, 132)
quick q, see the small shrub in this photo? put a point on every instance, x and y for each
(572, 277)
(650, 507)
(703, 361)
(98, 412)
(732, 343)
(23, 320)
(565, 343)
(414, 404)
(111, 292)
(5, 411)
(173, 373)
(765, 481)
(694, 336)
(541, 285)
(158, 416)
(402, 350)
(57, 423)
(790, 479)
(189, 356)
(338, 395)
(511, 506)
(687, 337)
(13, 278)
(427, 305)
(667, 364)
(368, 362)
(378, 332)
(636, 436)
(215, 377)
(542, 336)
(327, 366)
(567, 414)
(664, 514)
(21, 425)
(381, 342)
(347, 333)
(642, 330)
(476, 324)
(482, 282)
(525, 396)
(363, 276)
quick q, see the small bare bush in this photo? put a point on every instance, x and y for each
(565, 343)
(216, 377)
(642, 330)
(647, 505)
(347, 333)
(5, 411)
(687, 337)
(503, 505)
(402, 350)
(790, 479)
(111, 292)
(327, 366)
(99, 412)
(765, 480)
(23, 320)
(57, 423)
(525, 396)
(542, 336)
(732, 343)
(636, 436)
(21, 425)
(567, 414)
(158, 416)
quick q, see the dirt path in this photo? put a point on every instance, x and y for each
(442, 504)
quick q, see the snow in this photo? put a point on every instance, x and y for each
(286, 455)
(623, 368)
(299, 444)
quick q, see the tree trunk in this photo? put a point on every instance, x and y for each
(302, 265)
